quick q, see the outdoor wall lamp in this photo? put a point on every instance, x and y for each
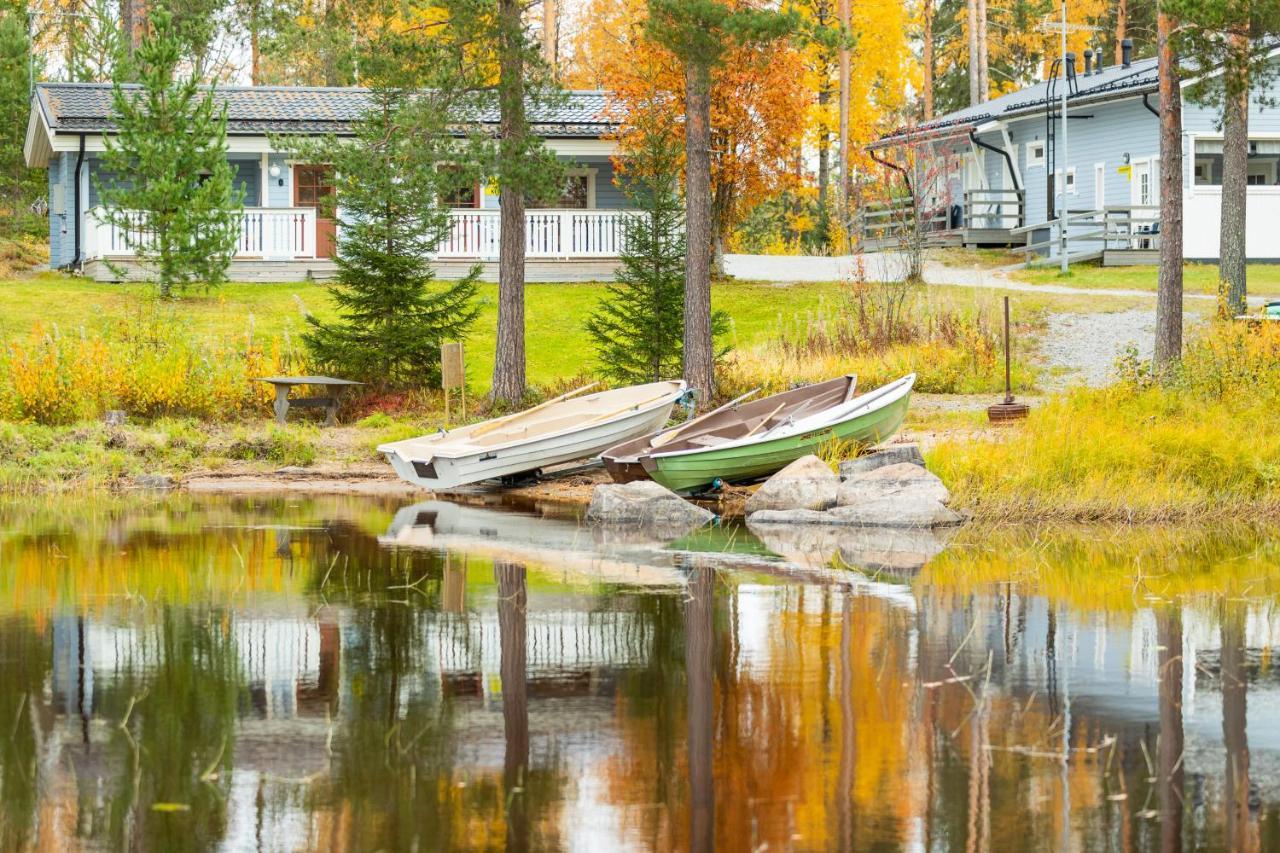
(274, 170)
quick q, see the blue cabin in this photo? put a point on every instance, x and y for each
(995, 173)
(285, 236)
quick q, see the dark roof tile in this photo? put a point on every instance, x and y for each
(253, 110)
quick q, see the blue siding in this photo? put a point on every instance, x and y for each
(279, 190)
(58, 219)
(248, 174)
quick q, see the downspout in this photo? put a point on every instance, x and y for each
(1013, 171)
(79, 221)
(1155, 112)
(906, 179)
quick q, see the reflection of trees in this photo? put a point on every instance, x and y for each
(1240, 833)
(699, 651)
(179, 699)
(24, 668)
(513, 598)
(1170, 750)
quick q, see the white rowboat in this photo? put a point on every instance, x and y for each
(564, 429)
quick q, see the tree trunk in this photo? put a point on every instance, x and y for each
(971, 9)
(824, 162)
(699, 353)
(512, 635)
(928, 60)
(1170, 763)
(1122, 28)
(984, 78)
(1169, 290)
(1235, 178)
(550, 33)
(509, 362)
(133, 16)
(699, 664)
(845, 214)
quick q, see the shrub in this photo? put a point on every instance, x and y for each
(1204, 443)
(148, 364)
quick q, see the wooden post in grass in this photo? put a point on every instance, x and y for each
(453, 374)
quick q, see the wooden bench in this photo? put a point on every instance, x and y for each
(328, 402)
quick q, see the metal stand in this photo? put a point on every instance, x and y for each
(1010, 409)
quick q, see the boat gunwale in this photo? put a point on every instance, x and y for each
(474, 450)
(764, 439)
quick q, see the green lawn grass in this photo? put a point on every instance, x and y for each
(557, 344)
(1264, 279)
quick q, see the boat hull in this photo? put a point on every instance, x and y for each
(693, 472)
(447, 472)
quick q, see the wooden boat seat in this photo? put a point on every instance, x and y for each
(709, 440)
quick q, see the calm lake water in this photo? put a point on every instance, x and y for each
(342, 674)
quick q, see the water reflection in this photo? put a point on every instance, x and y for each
(344, 674)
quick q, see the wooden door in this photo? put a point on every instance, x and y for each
(313, 187)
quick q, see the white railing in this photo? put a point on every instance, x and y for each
(548, 234)
(288, 233)
(277, 233)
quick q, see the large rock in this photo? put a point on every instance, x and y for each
(893, 454)
(903, 481)
(897, 550)
(807, 483)
(885, 512)
(643, 502)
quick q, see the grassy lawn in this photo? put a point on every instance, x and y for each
(558, 345)
(1264, 279)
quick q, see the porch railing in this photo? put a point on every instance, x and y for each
(994, 209)
(290, 233)
(548, 234)
(285, 233)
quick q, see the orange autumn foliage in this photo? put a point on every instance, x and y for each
(759, 103)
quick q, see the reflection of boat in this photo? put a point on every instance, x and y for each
(549, 543)
(897, 551)
(560, 430)
(757, 439)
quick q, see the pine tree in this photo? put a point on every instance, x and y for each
(173, 194)
(638, 327)
(19, 186)
(387, 185)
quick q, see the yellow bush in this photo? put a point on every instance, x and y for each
(148, 364)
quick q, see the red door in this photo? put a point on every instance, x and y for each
(313, 187)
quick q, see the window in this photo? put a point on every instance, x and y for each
(312, 185)
(576, 192)
(460, 192)
(1035, 154)
(1071, 179)
(1264, 162)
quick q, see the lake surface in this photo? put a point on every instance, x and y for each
(344, 674)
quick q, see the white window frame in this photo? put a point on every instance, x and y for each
(1034, 162)
(1099, 186)
(1072, 187)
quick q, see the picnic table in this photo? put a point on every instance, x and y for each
(328, 401)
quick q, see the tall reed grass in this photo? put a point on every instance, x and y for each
(148, 363)
(1203, 442)
(880, 331)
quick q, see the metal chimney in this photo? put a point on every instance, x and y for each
(1071, 65)
(1088, 61)
(1126, 52)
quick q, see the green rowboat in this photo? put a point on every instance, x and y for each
(867, 419)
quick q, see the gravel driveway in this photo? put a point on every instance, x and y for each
(1084, 347)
